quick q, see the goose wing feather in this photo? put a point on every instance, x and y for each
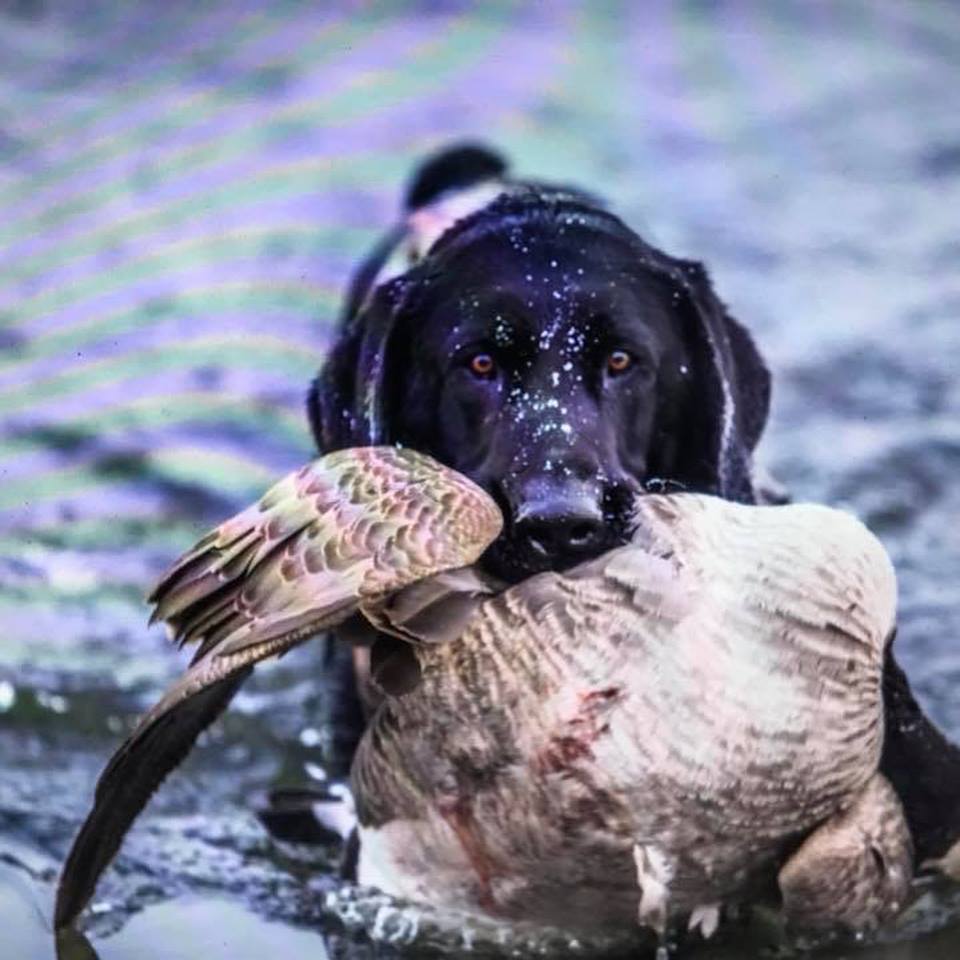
(348, 529)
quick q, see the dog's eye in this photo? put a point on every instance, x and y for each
(482, 365)
(618, 362)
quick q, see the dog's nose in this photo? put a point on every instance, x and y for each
(562, 529)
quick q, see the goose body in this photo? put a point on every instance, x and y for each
(692, 719)
(660, 727)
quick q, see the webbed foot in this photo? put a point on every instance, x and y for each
(706, 919)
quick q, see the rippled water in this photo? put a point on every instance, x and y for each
(183, 195)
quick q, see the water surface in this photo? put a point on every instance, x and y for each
(183, 195)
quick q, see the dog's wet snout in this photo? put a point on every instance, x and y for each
(562, 528)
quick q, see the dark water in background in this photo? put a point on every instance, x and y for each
(182, 196)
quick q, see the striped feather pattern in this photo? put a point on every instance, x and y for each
(713, 688)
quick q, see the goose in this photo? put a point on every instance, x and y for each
(689, 721)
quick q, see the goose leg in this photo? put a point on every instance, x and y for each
(854, 871)
(653, 878)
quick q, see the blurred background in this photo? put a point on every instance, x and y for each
(184, 190)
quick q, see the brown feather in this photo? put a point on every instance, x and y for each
(349, 528)
(136, 770)
(699, 701)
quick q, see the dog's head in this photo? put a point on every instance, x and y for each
(547, 352)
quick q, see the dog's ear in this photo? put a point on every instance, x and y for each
(345, 400)
(330, 397)
(736, 382)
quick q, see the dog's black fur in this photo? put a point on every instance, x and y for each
(501, 352)
(547, 288)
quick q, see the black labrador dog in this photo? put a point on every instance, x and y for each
(525, 336)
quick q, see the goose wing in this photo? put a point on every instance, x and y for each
(349, 528)
(344, 532)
